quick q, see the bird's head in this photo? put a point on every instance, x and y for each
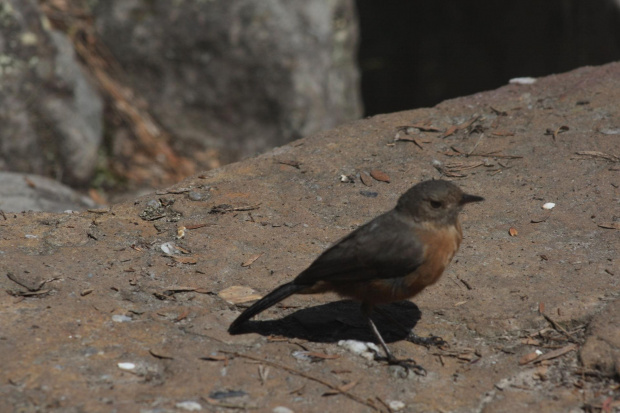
(438, 201)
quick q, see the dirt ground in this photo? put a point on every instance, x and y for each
(123, 310)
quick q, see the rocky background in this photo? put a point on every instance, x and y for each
(181, 86)
(117, 97)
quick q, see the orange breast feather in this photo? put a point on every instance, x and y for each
(441, 246)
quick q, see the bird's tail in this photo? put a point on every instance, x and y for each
(267, 301)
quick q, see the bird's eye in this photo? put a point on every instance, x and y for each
(435, 204)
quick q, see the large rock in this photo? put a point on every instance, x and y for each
(238, 75)
(26, 192)
(50, 116)
(122, 309)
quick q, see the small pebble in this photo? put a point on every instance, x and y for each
(119, 318)
(195, 196)
(606, 131)
(282, 409)
(522, 81)
(189, 406)
(169, 248)
(549, 205)
(369, 194)
(225, 394)
(153, 203)
(396, 405)
(126, 366)
(302, 355)
(366, 350)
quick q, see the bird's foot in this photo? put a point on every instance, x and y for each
(407, 364)
(426, 341)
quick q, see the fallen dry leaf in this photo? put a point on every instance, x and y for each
(411, 139)
(468, 356)
(99, 210)
(453, 169)
(462, 126)
(196, 226)
(182, 316)
(530, 341)
(214, 357)
(322, 355)
(173, 290)
(251, 260)
(555, 132)
(341, 389)
(528, 358)
(238, 294)
(498, 112)
(610, 225)
(423, 126)
(596, 154)
(380, 176)
(556, 353)
(365, 178)
(86, 292)
(160, 354)
(450, 131)
(184, 260)
(540, 219)
(502, 133)
(224, 208)
(290, 162)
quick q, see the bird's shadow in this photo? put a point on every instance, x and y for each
(340, 320)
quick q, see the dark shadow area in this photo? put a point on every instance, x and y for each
(419, 53)
(340, 320)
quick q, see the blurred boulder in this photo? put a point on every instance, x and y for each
(50, 116)
(239, 76)
(26, 192)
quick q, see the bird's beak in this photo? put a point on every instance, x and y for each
(466, 199)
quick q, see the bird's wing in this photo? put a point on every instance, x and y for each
(383, 248)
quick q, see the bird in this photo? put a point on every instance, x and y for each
(391, 258)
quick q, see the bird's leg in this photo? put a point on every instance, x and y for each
(408, 364)
(413, 337)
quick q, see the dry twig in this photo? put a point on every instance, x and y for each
(559, 328)
(599, 155)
